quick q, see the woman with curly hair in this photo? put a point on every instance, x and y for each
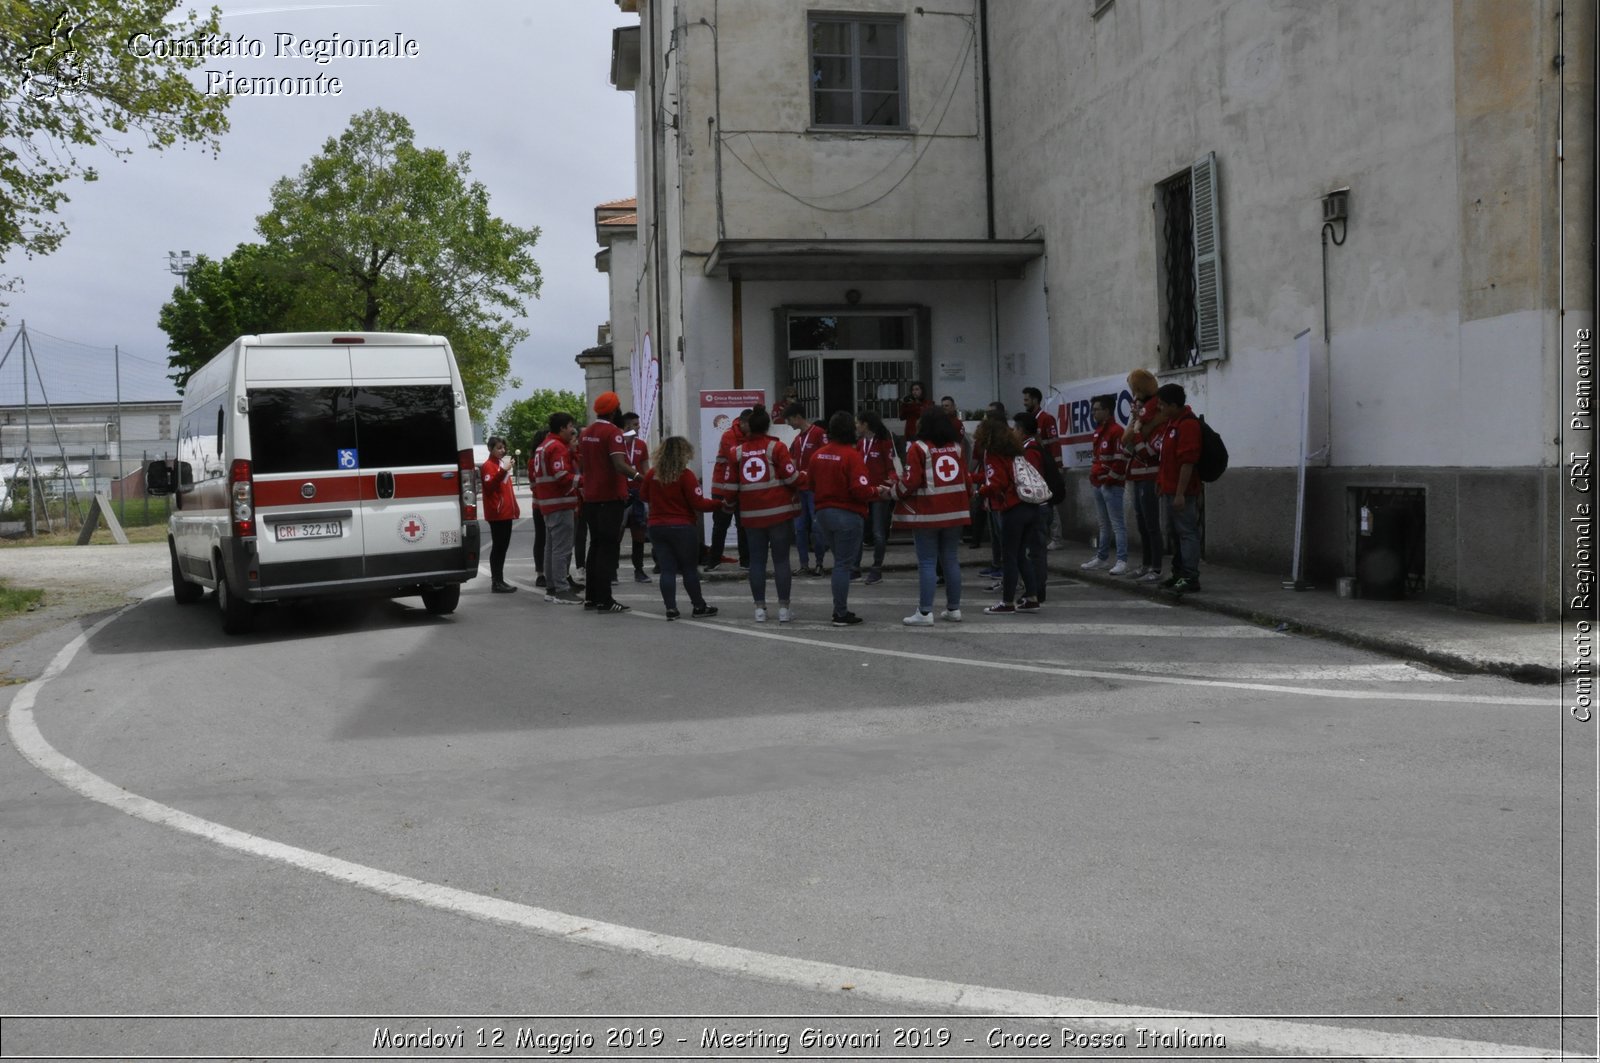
(674, 500)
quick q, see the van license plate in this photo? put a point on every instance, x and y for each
(326, 530)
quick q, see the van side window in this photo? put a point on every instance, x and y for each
(405, 425)
(299, 429)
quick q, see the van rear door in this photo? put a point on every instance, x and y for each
(410, 433)
(303, 456)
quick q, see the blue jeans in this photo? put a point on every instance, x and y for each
(938, 547)
(1035, 560)
(840, 531)
(677, 549)
(1147, 514)
(1185, 525)
(1108, 503)
(780, 538)
(1018, 528)
(877, 526)
(805, 526)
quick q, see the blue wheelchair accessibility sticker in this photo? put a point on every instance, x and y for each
(347, 459)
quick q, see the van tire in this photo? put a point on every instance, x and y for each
(238, 615)
(183, 592)
(441, 601)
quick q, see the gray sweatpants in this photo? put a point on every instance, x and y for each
(557, 548)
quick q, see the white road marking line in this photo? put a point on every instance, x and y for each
(1353, 673)
(1093, 673)
(1009, 625)
(923, 994)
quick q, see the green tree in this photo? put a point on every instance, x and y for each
(244, 294)
(381, 235)
(79, 76)
(521, 419)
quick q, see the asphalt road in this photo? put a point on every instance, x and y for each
(528, 809)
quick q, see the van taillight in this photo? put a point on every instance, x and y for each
(469, 486)
(241, 497)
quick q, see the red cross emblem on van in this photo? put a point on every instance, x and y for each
(413, 529)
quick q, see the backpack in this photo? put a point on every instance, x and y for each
(1031, 487)
(1052, 476)
(1213, 454)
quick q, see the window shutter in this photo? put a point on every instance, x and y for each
(1211, 333)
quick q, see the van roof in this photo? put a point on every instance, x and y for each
(319, 339)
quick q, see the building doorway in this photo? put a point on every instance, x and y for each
(851, 359)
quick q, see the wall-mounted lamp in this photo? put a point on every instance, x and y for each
(1336, 205)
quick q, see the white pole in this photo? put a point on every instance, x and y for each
(1302, 344)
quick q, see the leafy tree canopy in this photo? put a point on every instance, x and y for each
(248, 292)
(73, 77)
(380, 235)
(521, 419)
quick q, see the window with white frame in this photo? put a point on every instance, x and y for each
(858, 78)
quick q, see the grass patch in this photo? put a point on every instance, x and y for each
(156, 533)
(18, 600)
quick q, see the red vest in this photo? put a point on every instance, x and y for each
(934, 493)
(554, 483)
(766, 478)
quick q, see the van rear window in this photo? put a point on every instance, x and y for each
(300, 429)
(400, 425)
(304, 429)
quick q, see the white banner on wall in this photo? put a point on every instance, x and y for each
(1069, 404)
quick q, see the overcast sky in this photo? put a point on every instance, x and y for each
(523, 86)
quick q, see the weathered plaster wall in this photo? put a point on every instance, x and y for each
(779, 178)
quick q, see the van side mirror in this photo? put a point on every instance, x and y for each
(185, 476)
(158, 478)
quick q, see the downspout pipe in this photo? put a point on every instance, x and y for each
(988, 127)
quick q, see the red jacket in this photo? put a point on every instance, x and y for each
(839, 478)
(723, 478)
(999, 484)
(1143, 448)
(678, 502)
(1180, 445)
(637, 451)
(1045, 428)
(879, 456)
(601, 480)
(935, 491)
(807, 442)
(1110, 466)
(555, 483)
(499, 493)
(766, 481)
(911, 412)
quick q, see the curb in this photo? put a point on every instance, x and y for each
(1519, 671)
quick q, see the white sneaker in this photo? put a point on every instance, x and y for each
(785, 614)
(761, 614)
(952, 615)
(1118, 569)
(918, 619)
(1093, 562)
(1153, 576)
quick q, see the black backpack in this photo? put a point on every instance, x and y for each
(1213, 454)
(1053, 478)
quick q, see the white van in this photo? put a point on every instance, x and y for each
(322, 464)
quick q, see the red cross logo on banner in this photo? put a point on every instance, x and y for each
(946, 468)
(755, 468)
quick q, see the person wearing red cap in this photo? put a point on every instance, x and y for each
(605, 475)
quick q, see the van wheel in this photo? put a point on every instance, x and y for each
(183, 592)
(238, 615)
(441, 601)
